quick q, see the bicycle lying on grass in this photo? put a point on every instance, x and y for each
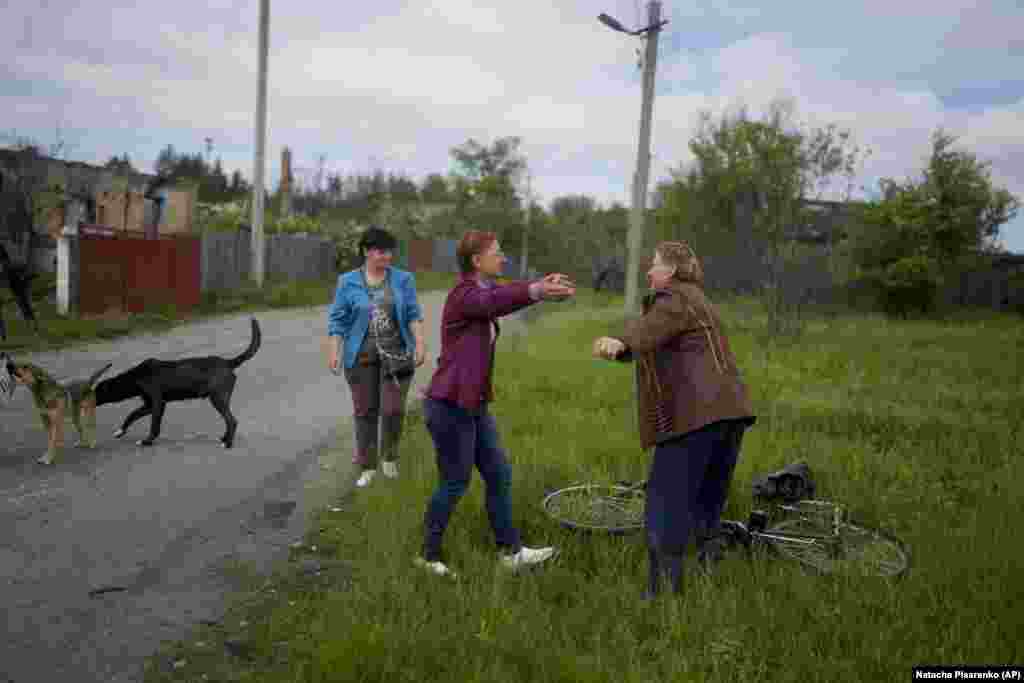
(815, 533)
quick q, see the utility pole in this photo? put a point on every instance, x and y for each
(526, 228)
(643, 162)
(261, 139)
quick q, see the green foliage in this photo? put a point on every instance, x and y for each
(910, 284)
(213, 185)
(921, 228)
(120, 164)
(434, 189)
(296, 223)
(502, 159)
(29, 192)
(224, 217)
(770, 165)
(741, 201)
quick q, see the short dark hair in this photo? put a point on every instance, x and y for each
(473, 242)
(376, 237)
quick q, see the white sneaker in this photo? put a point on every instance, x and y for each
(439, 568)
(389, 469)
(527, 557)
(365, 478)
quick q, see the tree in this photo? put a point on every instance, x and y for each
(501, 159)
(401, 189)
(741, 199)
(922, 230)
(487, 180)
(29, 192)
(166, 161)
(120, 164)
(435, 189)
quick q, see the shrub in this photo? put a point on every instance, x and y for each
(910, 284)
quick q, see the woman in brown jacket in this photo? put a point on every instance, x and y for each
(693, 408)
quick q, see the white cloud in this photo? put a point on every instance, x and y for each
(397, 85)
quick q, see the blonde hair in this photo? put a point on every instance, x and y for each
(682, 256)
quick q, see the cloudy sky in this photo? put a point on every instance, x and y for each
(394, 85)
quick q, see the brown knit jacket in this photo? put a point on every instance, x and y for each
(686, 373)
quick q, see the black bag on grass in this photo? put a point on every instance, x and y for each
(790, 484)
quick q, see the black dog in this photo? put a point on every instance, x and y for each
(157, 382)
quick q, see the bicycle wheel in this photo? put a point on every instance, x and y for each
(857, 550)
(606, 508)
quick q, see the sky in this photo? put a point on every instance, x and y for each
(394, 85)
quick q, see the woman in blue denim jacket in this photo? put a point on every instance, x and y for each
(374, 324)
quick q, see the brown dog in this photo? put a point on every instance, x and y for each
(54, 400)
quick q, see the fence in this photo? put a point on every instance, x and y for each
(227, 257)
(439, 256)
(128, 274)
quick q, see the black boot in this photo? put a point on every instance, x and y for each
(709, 552)
(663, 566)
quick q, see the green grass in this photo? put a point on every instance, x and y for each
(59, 331)
(916, 425)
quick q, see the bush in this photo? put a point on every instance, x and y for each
(909, 284)
(220, 217)
(296, 224)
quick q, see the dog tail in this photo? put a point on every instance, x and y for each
(96, 375)
(254, 345)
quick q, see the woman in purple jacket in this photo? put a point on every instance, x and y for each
(456, 404)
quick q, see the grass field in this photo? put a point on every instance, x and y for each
(58, 331)
(916, 425)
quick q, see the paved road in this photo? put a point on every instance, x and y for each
(159, 521)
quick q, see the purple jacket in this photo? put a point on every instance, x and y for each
(464, 370)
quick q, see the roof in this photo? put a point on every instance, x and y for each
(10, 155)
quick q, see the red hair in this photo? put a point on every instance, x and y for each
(472, 243)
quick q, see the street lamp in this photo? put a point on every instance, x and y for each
(643, 162)
(613, 24)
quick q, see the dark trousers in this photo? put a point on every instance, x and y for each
(379, 407)
(687, 487)
(462, 440)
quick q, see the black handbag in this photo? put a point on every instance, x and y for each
(396, 366)
(790, 484)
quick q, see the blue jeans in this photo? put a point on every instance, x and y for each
(687, 487)
(462, 440)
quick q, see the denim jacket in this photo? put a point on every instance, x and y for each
(349, 315)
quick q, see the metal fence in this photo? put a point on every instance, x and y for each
(129, 274)
(438, 256)
(226, 258)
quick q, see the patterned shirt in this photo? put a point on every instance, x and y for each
(383, 329)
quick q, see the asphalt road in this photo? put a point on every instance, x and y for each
(159, 522)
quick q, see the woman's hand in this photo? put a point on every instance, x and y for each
(421, 352)
(333, 355)
(607, 348)
(557, 287)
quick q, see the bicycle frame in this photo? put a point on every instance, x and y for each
(755, 528)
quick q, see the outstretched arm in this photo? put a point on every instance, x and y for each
(663, 321)
(493, 302)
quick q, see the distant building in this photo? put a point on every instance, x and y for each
(108, 197)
